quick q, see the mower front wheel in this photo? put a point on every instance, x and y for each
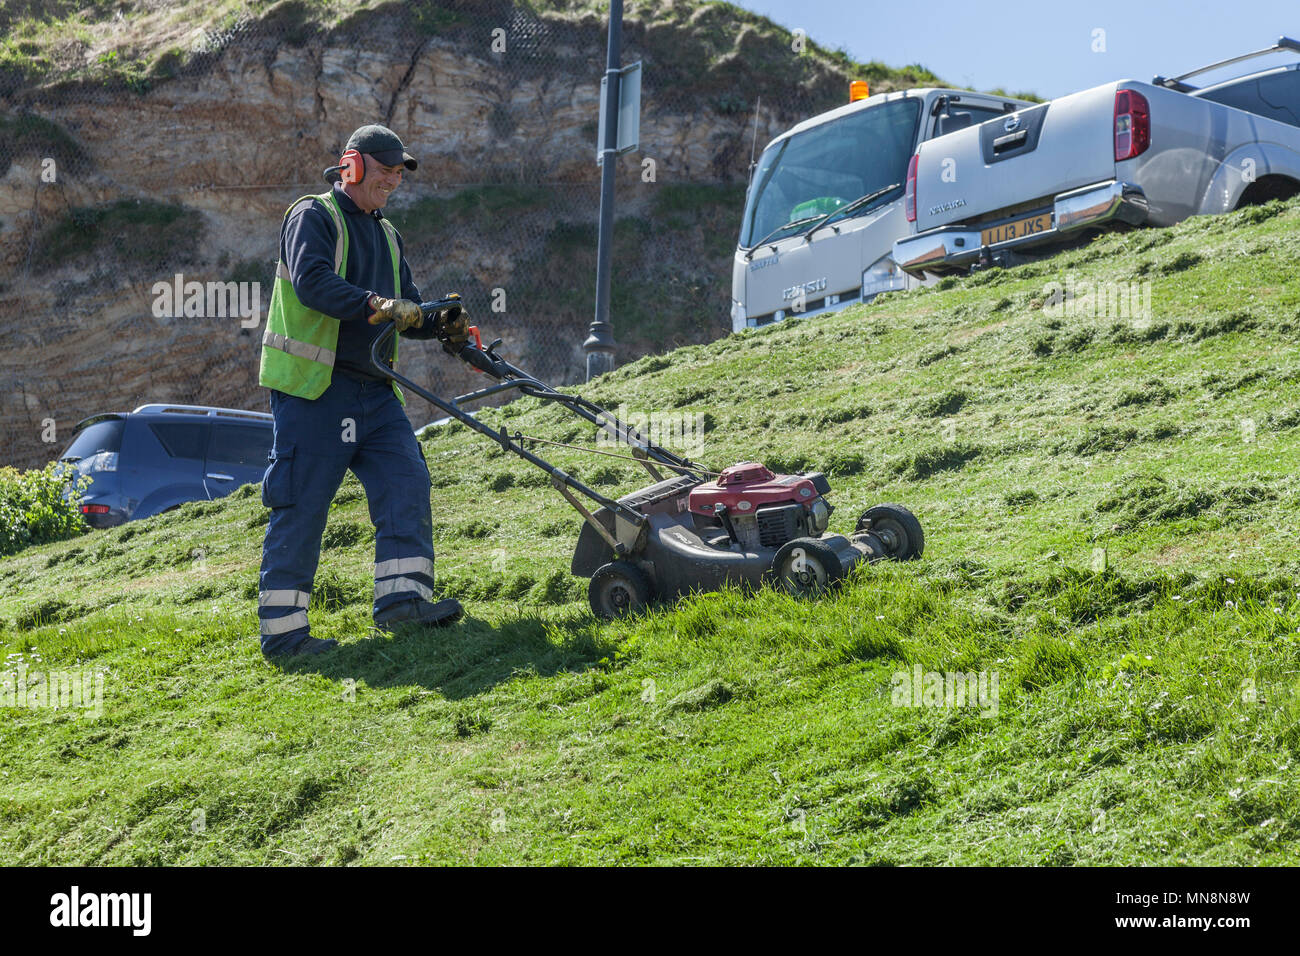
(897, 528)
(618, 589)
(805, 566)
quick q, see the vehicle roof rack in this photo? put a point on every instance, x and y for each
(204, 410)
(1176, 82)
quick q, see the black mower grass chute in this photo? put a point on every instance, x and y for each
(692, 529)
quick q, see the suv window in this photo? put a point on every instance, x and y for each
(1275, 96)
(101, 436)
(180, 439)
(240, 445)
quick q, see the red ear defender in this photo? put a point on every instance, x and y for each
(352, 167)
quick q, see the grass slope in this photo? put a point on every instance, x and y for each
(1147, 712)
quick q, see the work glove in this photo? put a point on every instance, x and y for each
(403, 313)
(452, 323)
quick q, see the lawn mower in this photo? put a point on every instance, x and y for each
(692, 529)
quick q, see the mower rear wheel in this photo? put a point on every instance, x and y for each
(618, 589)
(805, 566)
(897, 528)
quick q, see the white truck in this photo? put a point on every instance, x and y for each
(1122, 153)
(826, 201)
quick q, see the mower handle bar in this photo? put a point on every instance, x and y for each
(510, 377)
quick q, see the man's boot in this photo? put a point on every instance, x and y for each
(278, 647)
(415, 611)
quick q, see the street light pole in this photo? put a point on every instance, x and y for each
(599, 345)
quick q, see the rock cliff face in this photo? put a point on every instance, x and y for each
(190, 173)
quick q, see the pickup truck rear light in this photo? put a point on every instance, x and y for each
(94, 509)
(909, 200)
(1132, 124)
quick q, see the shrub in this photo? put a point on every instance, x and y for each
(33, 509)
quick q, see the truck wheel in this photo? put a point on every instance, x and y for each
(618, 589)
(805, 566)
(897, 528)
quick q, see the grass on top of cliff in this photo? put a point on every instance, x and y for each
(1145, 713)
(717, 51)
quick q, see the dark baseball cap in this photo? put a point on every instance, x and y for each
(383, 144)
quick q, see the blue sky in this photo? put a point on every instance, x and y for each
(1044, 46)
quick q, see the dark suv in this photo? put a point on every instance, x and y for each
(160, 456)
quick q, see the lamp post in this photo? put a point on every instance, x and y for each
(599, 345)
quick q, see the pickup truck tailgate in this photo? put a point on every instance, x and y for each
(1033, 153)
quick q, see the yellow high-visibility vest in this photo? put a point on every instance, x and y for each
(299, 343)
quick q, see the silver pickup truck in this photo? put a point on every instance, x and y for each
(1122, 153)
(806, 244)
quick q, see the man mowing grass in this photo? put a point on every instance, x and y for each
(342, 273)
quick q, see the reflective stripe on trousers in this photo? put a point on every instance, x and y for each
(271, 608)
(386, 584)
(384, 569)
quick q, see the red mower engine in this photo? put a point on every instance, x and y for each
(760, 509)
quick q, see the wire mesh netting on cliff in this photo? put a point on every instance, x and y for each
(129, 159)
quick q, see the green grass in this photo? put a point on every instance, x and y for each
(102, 42)
(703, 50)
(1147, 712)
